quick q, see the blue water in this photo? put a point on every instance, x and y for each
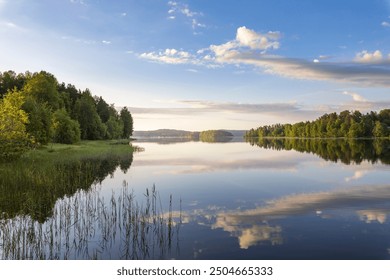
(245, 202)
(235, 201)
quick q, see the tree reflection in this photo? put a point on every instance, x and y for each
(31, 189)
(345, 150)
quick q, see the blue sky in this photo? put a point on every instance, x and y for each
(204, 64)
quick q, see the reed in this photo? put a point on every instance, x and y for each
(88, 226)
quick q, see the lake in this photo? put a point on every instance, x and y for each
(269, 199)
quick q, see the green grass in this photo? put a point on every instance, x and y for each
(85, 149)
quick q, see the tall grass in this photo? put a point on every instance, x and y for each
(32, 184)
(87, 226)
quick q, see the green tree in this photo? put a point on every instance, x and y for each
(91, 126)
(384, 116)
(355, 130)
(40, 120)
(9, 80)
(103, 109)
(69, 94)
(380, 130)
(114, 128)
(42, 87)
(127, 120)
(66, 130)
(14, 139)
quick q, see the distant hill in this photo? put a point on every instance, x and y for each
(166, 133)
(237, 133)
(174, 133)
(221, 135)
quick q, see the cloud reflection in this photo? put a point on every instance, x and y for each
(251, 226)
(370, 216)
(251, 235)
(313, 202)
(194, 165)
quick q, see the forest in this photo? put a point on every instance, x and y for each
(35, 110)
(345, 124)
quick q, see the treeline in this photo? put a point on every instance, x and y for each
(346, 124)
(35, 109)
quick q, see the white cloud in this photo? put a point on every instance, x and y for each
(106, 42)
(367, 57)
(245, 38)
(256, 41)
(195, 24)
(81, 2)
(2, 3)
(186, 11)
(367, 75)
(8, 25)
(169, 56)
(251, 48)
(356, 97)
(176, 9)
(385, 24)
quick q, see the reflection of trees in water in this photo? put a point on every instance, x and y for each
(345, 150)
(86, 226)
(32, 189)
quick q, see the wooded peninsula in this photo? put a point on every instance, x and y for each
(35, 109)
(345, 124)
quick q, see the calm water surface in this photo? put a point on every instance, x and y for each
(240, 201)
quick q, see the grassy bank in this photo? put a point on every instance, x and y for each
(85, 149)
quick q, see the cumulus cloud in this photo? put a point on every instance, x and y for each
(356, 97)
(367, 57)
(170, 56)
(245, 39)
(257, 41)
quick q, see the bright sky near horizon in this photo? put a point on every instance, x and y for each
(201, 64)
